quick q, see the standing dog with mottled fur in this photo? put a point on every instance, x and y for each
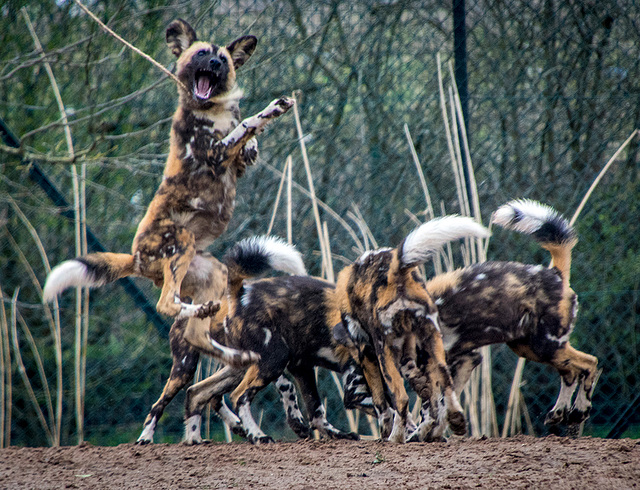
(195, 201)
(388, 316)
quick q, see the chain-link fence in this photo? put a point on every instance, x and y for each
(551, 91)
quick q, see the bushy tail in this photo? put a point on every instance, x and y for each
(548, 227)
(425, 240)
(91, 270)
(256, 255)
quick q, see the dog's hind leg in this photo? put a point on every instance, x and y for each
(295, 419)
(461, 367)
(199, 394)
(306, 378)
(242, 397)
(185, 362)
(578, 370)
(397, 392)
(175, 264)
(357, 394)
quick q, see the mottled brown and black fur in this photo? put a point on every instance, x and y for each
(209, 150)
(389, 316)
(288, 321)
(531, 308)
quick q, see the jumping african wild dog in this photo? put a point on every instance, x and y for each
(389, 317)
(268, 312)
(195, 201)
(531, 308)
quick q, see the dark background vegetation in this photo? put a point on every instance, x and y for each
(554, 90)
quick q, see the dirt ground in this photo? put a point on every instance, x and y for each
(520, 462)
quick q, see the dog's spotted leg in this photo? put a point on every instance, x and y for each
(356, 391)
(373, 377)
(576, 369)
(177, 256)
(295, 419)
(199, 394)
(438, 377)
(253, 126)
(461, 367)
(559, 411)
(185, 362)
(306, 379)
(398, 394)
(210, 308)
(228, 417)
(242, 397)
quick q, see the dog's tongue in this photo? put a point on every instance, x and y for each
(203, 87)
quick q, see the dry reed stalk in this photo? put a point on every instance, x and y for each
(5, 367)
(513, 396)
(22, 370)
(447, 128)
(326, 208)
(475, 200)
(597, 180)
(327, 246)
(78, 227)
(278, 195)
(423, 181)
(527, 417)
(364, 226)
(129, 45)
(290, 202)
(36, 354)
(472, 403)
(312, 192)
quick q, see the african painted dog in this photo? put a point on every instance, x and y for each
(388, 316)
(287, 320)
(195, 201)
(529, 307)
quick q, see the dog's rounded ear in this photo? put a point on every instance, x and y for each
(241, 49)
(180, 35)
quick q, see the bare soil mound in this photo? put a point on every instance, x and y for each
(520, 462)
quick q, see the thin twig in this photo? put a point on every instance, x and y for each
(278, 194)
(129, 45)
(423, 181)
(600, 175)
(312, 192)
(22, 370)
(7, 387)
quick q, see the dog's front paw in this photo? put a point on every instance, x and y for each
(208, 309)
(278, 107)
(457, 423)
(260, 440)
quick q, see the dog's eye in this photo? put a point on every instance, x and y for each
(202, 52)
(224, 60)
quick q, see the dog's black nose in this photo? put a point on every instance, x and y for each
(215, 63)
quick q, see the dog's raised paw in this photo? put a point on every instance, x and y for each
(208, 309)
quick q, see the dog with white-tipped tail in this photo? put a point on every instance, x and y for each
(388, 317)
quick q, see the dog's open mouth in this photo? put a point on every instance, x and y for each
(203, 84)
